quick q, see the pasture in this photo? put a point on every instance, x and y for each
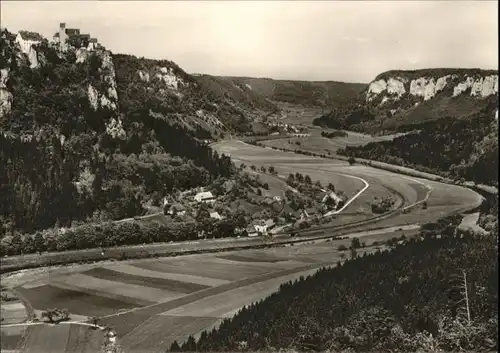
(322, 145)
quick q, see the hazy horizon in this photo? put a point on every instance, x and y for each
(349, 41)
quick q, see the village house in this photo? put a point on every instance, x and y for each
(333, 196)
(205, 196)
(288, 212)
(260, 226)
(66, 37)
(252, 231)
(309, 212)
(177, 209)
(269, 224)
(216, 215)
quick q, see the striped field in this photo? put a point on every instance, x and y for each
(150, 303)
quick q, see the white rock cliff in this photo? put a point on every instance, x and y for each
(394, 88)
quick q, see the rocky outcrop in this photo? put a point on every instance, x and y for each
(114, 128)
(144, 76)
(82, 55)
(168, 76)
(392, 87)
(109, 98)
(5, 95)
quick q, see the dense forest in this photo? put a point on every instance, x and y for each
(65, 158)
(410, 298)
(349, 117)
(455, 148)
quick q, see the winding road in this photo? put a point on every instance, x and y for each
(227, 281)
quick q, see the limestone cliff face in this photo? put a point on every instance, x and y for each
(108, 97)
(5, 95)
(427, 84)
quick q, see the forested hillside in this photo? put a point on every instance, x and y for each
(406, 300)
(250, 103)
(306, 93)
(452, 147)
(86, 135)
(450, 117)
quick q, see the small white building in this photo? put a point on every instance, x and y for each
(333, 196)
(26, 40)
(177, 209)
(205, 196)
(252, 231)
(216, 215)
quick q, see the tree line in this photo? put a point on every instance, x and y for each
(112, 234)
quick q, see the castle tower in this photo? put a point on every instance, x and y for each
(62, 35)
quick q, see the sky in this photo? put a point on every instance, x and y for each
(351, 41)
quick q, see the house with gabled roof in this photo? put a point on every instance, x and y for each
(26, 40)
(216, 215)
(333, 196)
(177, 209)
(290, 212)
(205, 196)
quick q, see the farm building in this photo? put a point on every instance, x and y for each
(269, 224)
(252, 231)
(205, 196)
(177, 209)
(216, 215)
(333, 196)
(263, 227)
(287, 211)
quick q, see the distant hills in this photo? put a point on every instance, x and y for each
(306, 93)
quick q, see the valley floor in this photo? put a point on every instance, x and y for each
(150, 303)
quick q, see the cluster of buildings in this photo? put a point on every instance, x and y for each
(67, 37)
(64, 38)
(258, 226)
(286, 127)
(201, 197)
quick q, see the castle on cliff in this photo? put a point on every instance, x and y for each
(72, 37)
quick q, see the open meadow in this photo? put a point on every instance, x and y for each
(316, 143)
